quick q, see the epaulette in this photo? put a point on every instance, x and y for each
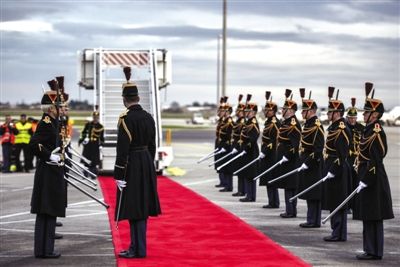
(273, 120)
(342, 125)
(377, 128)
(46, 119)
(293, 122)
(317, 122)
(123, 114)
(254, 121)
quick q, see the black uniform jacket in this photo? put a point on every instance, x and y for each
(373, 202)
(217, 140)
(224, 141)
(238, 127)
(95, 133)
(312, 146)
(135, 164)
(269, 143)
(49, 192)
(336, 189)
(288, 146)
(248, 143)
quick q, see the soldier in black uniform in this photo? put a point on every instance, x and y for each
(48, 195)
(288, 147)
(374, 201)
(336, 168)
(236, 132)
(311, 157)
(248, 143)
(356, 131)
(92, 138)
(220, 114)
(224, 141)
(268, 148)
(134, 169)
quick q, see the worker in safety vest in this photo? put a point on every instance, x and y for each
(7, 133)
(21, 143)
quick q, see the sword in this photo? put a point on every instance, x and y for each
(207, 156)
(299, 169)
(341, 205)
(218, 160)
(284, 159)
(306, 190)
(261, 156)
(231, 160)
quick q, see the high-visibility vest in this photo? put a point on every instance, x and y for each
(23, 136)
(7, 137)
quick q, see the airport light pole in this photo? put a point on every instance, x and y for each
(224, 49)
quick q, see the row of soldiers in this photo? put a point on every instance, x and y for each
(349, 161)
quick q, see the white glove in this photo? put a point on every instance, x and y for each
(328, 176)
(121, 184)
(234, 151)
(261, 156)
(361, 186)
(55, 158)
(303, 167)
(85, 141)
(100, 148)
(283, 160)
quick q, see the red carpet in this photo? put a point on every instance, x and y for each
(192, 231)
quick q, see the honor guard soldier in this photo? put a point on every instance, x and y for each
(48, 196)
(134, 170)
(224, 141)
(336, 168)
(92, 138)
(311, 157)
(288, 147)
(268, 148)
(220, 114)
(248, 143)
(356, 130)
(374, 201)
(237, 130)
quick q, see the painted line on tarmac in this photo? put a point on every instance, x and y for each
(71, 216)
(16, 190)
(200, 182)
(15, 214)
(27, 212)
(64, 233)
(63, 255)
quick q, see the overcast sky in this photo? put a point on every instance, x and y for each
(271, 45)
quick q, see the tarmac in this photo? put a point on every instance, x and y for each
(87, 238)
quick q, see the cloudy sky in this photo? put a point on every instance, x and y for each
(271, 45)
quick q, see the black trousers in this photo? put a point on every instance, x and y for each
(6, 156)
(250, 189)
(314, 212)
(291, 207)
(228, 181)
(373, 237)
(138, 237)
(27, 157)
(273, 196)
(339, 224)
(241, 184)
(45, 228)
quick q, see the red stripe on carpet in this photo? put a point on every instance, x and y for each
(192, 231)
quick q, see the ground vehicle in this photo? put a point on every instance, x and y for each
(197, 118)
(101, 71)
